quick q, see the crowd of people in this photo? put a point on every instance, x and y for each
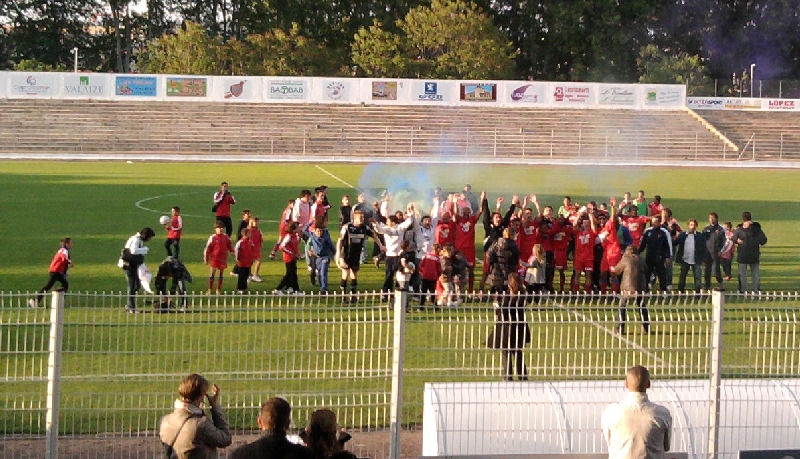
(187, 432)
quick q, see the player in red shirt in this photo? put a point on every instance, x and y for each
(584, 252)
(465, 239)
(635, 223)
(216, 253)
(244, 253)
(290, 246)
(430, 268)
(58, 271)
(655, 207)
(257, 237)
(612, 250)
(445, 232)
(561, 233)
(223, 200)
(528, 234)
(174, 230)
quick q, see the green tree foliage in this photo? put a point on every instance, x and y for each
(448, 39)
(658, 66)
(191, 51)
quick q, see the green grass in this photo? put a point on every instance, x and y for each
(258, 351)
(96, 205)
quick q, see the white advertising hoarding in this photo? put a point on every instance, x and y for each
(433, 92)
(523, 93)
(33, 85)
(579, 95)
(86, 85)
(287, 89)
(669, 96)
(236, 89)
(617, 95)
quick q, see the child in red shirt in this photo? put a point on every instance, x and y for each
(244, 253)
(290, 246)
(216, 253)
(430, 268)
(58, 271)
(258, 241)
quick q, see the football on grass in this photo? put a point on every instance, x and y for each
(163, 220)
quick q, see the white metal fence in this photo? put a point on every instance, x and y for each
(119, 372)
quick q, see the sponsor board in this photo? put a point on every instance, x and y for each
(782, 104)
(85, 86)
(186, 87)
(618, 95)
(234, 90)
(335, 90)
(572, 94)
(287, 90)
(33, 84)
(384, 90)
(136, 86)
(663, 96)
(478, 92)
(705, 103)
(528, 93)
(430, 92)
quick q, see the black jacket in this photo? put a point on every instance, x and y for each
(749, 241)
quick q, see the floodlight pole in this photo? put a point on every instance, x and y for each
(75, 62)
(752, 77)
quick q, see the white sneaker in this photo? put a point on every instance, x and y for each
(277, 292)
(32, 303)
(299, 293)
(233, 274)
(256, 278)
(289, 291)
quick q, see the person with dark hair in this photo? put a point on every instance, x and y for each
(690, 252)
(749, 237)
(174, 230)
(636, 427)
(187, 432)
(274, 421)
(58, 271)
(290, 246)
(657, 245)
(215, 255)
(503, 259)
(172, 268)
(223, 200)
(633, 285)
(324, 438)
(132, 257)
(715, 238)
(511, 332)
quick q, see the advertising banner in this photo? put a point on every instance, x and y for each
(433, 92)
(782, 104)
(384, 90)
(573, 94)
(726, 103)
(88, 85)
(33, 84)
(663, 96)
(136, 86)
(237, 89)
(342, 90)
(705, 103)
(186, 87)
(616, 95)
(478, 92)
(521, 93)
(288, 89)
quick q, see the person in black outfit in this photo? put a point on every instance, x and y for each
(274, 421)
(658, 251)
(511, 332)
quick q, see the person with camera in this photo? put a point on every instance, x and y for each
(132, 257)
(187, 432)
(223, 200)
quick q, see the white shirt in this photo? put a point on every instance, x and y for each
(688, 249)
(393, 235)
(636, 428)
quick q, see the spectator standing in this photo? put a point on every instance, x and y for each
(690, 253)
(749, 237)
(637, 428)
(274, 421)
(345, 211)
(223, 200)
(187, 431)
(715, 238)
(503, 259)
(511, 332)
(321, 249)
(658, 246)
(58, 271)
(633, 285)
(323, 437)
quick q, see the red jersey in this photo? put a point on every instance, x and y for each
(526, 238)
(430, 267)
(286, 219)
(561, 235)
(584, 246)
(655, 208)
(257, 238)
(612, 250)
(217, 249)
(290, 246)
(223, 203)
(60, 261)
(465, 236)
(175, 227)
(245, 252)
(445, 233)
(636, 225)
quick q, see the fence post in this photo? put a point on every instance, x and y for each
(54, 372)
(400, 300)
(718, 305)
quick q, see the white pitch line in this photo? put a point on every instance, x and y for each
(336, 177)
(632, 344)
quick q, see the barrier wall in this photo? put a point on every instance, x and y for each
(326, 90)
(742, 103)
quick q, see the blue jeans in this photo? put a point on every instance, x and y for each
(685, 267)
(322, 272)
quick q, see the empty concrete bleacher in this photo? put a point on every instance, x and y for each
(88, 127)
(760, 135)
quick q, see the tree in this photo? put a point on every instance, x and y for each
(657, 66)
(191, 51)
(448, 39)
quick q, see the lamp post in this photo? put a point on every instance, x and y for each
(75, 62)
(752, 78)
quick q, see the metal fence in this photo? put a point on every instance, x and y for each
(115, 374)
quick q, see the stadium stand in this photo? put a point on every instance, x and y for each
(90, 127)
(765, 135)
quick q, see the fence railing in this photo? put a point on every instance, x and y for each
(119, 372)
